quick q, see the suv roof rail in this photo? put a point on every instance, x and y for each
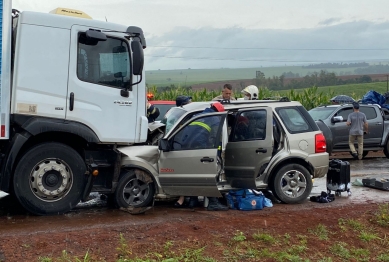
(265, 100)
(279, 98)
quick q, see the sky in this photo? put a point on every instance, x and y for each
(246, 33)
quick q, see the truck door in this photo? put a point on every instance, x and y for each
(341, 130)
(374, 121)
(250, 146)
(97, 72)
(188, 164)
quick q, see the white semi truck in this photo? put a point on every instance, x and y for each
(71, 92)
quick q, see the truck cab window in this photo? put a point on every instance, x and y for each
(104, 62)
(369, 112)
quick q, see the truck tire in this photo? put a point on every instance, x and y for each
(292, 184)
(49, 179)
(386, 149)
(132, 191)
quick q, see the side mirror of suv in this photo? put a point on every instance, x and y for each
(336, 119)
(163, 145)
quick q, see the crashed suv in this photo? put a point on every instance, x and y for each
(282, 150)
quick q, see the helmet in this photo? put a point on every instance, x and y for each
(183, 100)
(252, 91)
(218, 106)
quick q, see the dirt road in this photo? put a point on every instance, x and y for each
(97, 230)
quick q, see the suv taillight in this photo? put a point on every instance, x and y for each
(320, 143)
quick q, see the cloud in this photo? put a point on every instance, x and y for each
(238, 47)
(329, 21)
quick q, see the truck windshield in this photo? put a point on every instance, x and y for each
(321, 112)
(171, 117)
(104, 62)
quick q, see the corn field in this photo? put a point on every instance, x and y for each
(309, 98)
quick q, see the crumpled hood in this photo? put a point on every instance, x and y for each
(154, 125)
(147, 153)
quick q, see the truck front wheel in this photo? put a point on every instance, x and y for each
(49, 179)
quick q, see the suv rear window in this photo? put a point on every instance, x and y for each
(294, 120)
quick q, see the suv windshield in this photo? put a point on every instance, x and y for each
(321, 112)
(171, 117)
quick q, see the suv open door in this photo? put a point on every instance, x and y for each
(250, 146)
(187, 167)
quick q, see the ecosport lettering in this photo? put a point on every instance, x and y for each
(166, 170)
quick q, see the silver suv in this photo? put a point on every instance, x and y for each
(279, 147)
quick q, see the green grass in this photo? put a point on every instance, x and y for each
(350, 240)
(320, 231)
(356, 91)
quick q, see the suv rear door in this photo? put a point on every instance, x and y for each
(191, 171)
(250, 146)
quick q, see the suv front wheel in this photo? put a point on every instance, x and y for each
(292, 184)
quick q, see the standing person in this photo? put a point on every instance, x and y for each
(152, 112)
(226, 93)
(250, 92)
(358, 126)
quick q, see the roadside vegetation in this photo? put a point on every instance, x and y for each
(357, 239)
(309, 97)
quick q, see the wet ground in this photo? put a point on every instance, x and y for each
(96, 227)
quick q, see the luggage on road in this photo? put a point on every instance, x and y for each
(382, 184)
(338, 177)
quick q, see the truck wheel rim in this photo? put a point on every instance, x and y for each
(136, 192)
(293, 183)
(51, 179)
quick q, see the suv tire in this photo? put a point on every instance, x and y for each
(132, 191)
(292, 184)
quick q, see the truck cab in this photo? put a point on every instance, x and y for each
(72, 91)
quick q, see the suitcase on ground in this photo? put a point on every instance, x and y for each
(382, 184)
(338, 177)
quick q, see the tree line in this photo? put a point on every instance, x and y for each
(336, 65)
(322, 78)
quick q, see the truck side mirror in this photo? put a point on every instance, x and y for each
(163, 145)
(337, 119)
(137, 58)
(95, 35)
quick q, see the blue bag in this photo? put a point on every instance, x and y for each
(245, 199)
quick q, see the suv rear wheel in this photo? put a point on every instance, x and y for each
(292, 184)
